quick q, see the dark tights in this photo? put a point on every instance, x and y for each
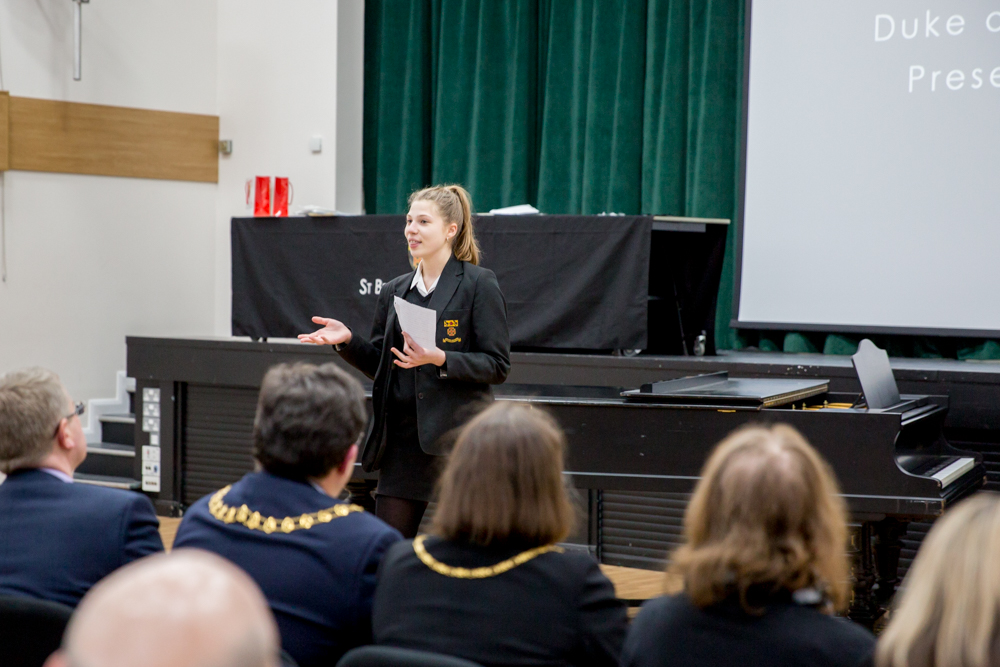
(402, 514)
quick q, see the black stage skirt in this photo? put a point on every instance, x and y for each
(406, 470)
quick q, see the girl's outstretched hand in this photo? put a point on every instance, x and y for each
(333, 333)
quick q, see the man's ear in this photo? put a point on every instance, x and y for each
(63, 438)
(349, 459)
(57, 659)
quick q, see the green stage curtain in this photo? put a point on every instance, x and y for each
(591, 133)
(576, 107)
(485, 96)
(451, 96)
(397, 106)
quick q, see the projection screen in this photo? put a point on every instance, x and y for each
(871, 172)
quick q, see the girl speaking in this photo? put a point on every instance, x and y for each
(420, 394)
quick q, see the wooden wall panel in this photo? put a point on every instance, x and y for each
(74, 138)
(4, 129)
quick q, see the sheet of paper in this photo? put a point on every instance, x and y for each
(419, 322)
(520, 209)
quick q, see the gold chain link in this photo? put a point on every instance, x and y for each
(255, 521)
(478, 572)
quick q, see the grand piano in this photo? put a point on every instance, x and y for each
(893, 464)
(635, 459)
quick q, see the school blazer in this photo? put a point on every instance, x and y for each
(57, 539)
(472, 331)
(318, 577)
(556, 609)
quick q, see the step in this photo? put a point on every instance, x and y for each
(109, 459)
(118, 429)
(111, 449)
(108, 480)
(121, 418)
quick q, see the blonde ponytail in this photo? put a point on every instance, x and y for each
(455, 205)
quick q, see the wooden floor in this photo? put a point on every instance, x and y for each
(168, 530)
(631, 584)
(635, 584)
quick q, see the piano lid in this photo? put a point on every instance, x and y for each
(715, 390)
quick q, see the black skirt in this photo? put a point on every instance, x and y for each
(406, 470)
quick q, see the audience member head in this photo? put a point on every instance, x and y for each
(948, 610)
(309, 421)
(765, 519)
(39, 424)
(454, 205)
(504, 480)
(189, 608)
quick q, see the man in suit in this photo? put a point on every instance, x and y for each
(186, 609)
(314, 556)
(58, 538)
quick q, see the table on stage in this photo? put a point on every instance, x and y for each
(571, 282)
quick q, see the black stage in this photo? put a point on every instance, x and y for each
(205, 365)
(635, 464)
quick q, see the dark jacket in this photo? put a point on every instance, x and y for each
(555, 609)
(58, 539)
(476, 343)
(673, 631)
(318, 579)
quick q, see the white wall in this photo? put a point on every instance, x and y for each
(154, 54)
(91, 259)
(278, 87)
(350, 103)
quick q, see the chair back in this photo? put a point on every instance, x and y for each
(390, 656)
(30, 630)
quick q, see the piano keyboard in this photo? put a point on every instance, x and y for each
(950, 473)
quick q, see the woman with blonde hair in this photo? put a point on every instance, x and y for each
(421, 393)
(491, 584)
(764, 564)
(948, 612)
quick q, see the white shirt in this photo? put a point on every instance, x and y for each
(418, 281)
(319, 488)
(58, 474)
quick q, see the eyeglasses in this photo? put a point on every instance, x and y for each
(78, 410)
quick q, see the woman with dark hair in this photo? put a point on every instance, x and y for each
(421, 394)
(764, 565)
(315, 557)
(491, 584)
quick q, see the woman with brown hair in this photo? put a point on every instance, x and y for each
(492, 585)
(764, 565)
(948, 611)
(420, 394)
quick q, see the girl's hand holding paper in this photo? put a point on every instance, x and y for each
(414, 355)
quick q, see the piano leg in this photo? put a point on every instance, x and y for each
(875, 548)
(889, 542)
(595, 507)
(360, 491)
(863, 573)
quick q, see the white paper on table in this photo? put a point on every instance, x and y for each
(520, 209)
(417, 321)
